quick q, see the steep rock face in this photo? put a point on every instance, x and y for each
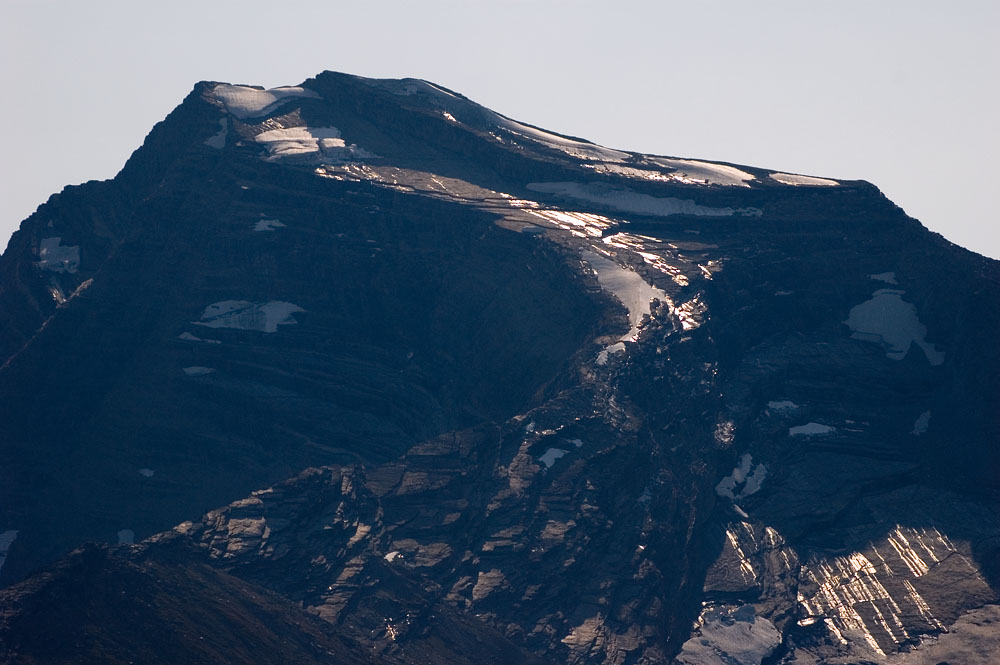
(581, 398)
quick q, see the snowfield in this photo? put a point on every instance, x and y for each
(626, 200)
(246, 102)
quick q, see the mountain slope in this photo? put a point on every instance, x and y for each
(580, 397)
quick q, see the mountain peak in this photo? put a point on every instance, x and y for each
(402, 376)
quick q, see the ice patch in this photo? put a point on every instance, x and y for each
(730, 635)
(246, 315)
(782, 406)
(392, 556)
(605, 353)
(797, 180)
(811, 429)
(188, 337)
(728, 484)
(921, 424)
(246, 102)
(268, 225)
(887, 277)
(754, 481)
(576, 442)
(324, 143)
(626, 200)
(703, 173)
(550, 456)
(197, 371)
(7, 539)
(751, 477)
(892, 322)
(218, 141)
(631, 290)
(126, 537)
(148, 473)
(58, 258)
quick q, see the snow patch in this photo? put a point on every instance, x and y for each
(631, 290)
(729, 635)
(797, 180)
(147, 473)
(744, 473)
(576, 442)
(891, 321)
(218, 141)
(268, 225)
(197, 371)
(7, 539)
(811, 429)
(626, 200)
(605, 353)
(782, 406)
(550, 456)
(887, 277)
(56, 257)
(188, 337)
(921, 424)
(126, 537)
(703, 173)
(323, 143)
(246, 315)
(246, 102)
(393, 556)
(754, 481)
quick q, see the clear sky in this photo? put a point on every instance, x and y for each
(903, 93)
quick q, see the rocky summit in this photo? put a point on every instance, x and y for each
(361, 371)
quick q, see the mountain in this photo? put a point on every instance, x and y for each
(362, 371)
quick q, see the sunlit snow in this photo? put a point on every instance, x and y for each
(318, 142)
(626, 200)
(892, 322)
(246, 102)
(796, 180)
(246, 315)
(706, 173)
(628, 287)
(56, 257)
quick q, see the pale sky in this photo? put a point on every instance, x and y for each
(902, 93)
